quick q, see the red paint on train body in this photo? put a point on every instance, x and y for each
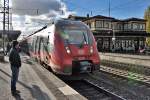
(68, 47)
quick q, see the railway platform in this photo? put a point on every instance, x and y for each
(141, 60)
(35, 83)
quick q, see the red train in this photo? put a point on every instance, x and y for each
(66, 46)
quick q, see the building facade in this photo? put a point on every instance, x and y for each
(113, 35)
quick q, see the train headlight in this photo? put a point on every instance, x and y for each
(91, 50)
(68, 50)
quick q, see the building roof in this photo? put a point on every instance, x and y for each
(81, 18)
(103, 17)
(100, 17)
(133, 19)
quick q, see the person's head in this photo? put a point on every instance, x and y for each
(15, 44)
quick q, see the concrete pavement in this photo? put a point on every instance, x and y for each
(35, 83)
(126, 58)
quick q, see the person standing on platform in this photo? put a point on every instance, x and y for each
(15, 64)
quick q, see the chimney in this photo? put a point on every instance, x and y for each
(88, 15)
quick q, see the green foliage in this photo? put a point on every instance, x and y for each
(147, 17)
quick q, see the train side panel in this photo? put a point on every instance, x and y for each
(62, 55)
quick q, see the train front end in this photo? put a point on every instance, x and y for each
(76, 48)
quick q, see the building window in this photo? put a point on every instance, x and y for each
(119, 27)
(99, 24)
(106, 44)
(142, 26)
(123, 44)
(135, 26)
(112, 25)
(92, 24)
(126, 26)
(106, 24)
(130, 43)
(141, 43)
(117, 44)
(129, 26)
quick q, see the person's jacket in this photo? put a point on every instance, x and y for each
(14, 58)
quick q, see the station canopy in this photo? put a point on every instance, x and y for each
(12, 34)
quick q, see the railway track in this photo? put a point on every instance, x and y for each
(126, 74)
(92, 91)
(91, 87)
(128, 85)
(127, 67)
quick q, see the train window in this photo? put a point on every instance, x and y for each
(74, 32)
(75, 36)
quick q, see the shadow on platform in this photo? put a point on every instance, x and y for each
(35, 90)
(18, 97)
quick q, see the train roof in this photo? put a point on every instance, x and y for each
(60, 21)
(57, 21)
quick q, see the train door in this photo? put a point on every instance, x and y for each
(32, 47)
(44, 55)
(46, 50)
(37, 44)
(41, 51)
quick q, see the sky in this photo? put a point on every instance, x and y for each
(119, 8)
(30, 15)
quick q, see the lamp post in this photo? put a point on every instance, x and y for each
(109, 8)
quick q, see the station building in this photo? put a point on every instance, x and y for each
(9, 36)
(114, 35)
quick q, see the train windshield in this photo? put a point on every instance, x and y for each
(75, 34)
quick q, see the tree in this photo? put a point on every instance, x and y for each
(147, 17)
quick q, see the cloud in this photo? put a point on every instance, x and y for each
(40, 9)
(37, 7)
(30, 15)
(24, 23)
